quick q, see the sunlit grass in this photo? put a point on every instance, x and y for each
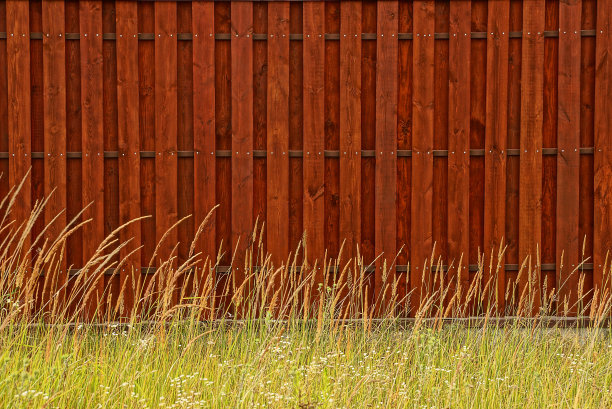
(290, 336)
(284, 365)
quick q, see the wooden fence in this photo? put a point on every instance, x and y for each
(392, 125)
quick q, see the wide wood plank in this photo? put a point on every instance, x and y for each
(495, 152)
(129, 145)
(459, 140)
(242, 133)
(350, 128)
(421, 237)
(166, 128)
(204, 129)
(19, 106)
(568, 159)
(90, 18)
(277, 217)
(314, 133)
(54, 101)
(386, 147)
(603, 153)
(530, 190)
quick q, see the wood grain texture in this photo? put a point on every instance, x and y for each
(386, 147)
(350, 128)
(128, 128)
(496, 151)
(314, 132)
(277, 209)
(166, 128)
(530, 191)
(242, 133)
(459, 140)
(602, 271)
(54, 102)
(19, 106)
(204, 128)
(421, 237)
(90, 18)
(568, 159)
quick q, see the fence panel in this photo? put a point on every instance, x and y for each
(394, 129)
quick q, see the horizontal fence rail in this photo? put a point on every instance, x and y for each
(415, 137)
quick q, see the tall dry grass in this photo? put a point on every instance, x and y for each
(37, 285)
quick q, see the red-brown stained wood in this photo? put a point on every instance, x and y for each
(332, 129)
(367, 246)
(350, 128)
(277, 217)
(129, 146)
(421, 238)
(496, 151)
(204, 128)
(165, 128)
(603, 153)
(314, 132)
(19, 106)
(386, 145)
(242, 133)
(90, 18)
(587, 139)
(54, 96)
(4, 132)
(459, 140)
(568, 156)
(530, 191)
(296, 142)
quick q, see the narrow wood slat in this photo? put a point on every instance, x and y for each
(129, 146)
(603, 152)
(496, 151)
(314, 132)
(530, 189)
(242, 133)
(277, 208)
(350, 128)
(19, 107)
(421, 237)
(386, 147)
(568, 159)
(54, 102)
(90, 21)
(204, 129)
(459, 140)
(166, 107)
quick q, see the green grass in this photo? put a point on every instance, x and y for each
(276, 365)
(306, 338)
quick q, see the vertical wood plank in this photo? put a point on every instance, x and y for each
(54, 101)
(166, 127)
(332, 129)
(129, 145)
(386, 145)
(90, 18)
(278, 132)
(19, 105)
(242, 132)
(530, 191)
(603, 153)
(496, 130)
(314, 131)
(459, 140)
(568, 159)
(421, 237)
(350, 127)
(203, 19)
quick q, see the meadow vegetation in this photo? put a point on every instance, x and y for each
(288, 336)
